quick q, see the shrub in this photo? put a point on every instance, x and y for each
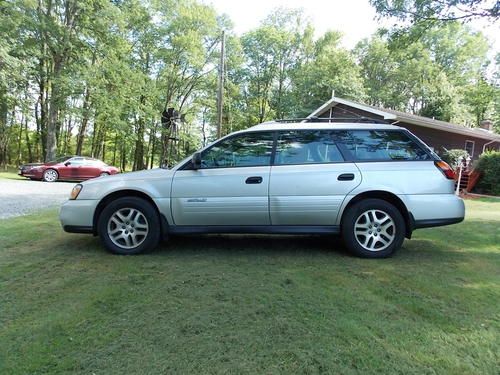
(489, 166)
(451, 156)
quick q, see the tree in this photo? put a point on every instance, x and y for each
(272, 52)
(330, 67)
(432, 76)
(416, 11)
(480, 98)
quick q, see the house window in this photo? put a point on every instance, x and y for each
(469, 147)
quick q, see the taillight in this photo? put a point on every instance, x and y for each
(445, 169)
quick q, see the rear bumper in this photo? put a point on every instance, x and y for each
(436, 222)
(430, 209)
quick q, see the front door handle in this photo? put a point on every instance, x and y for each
(253, 180)
(346, 177)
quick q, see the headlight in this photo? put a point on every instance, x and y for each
(76, 190)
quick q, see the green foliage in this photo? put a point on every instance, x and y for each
(453, 157)
(330, 67)
(416, 11)
(489, 166)
(430, 71)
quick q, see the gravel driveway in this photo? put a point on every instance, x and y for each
(18, 197)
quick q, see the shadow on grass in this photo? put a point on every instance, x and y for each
(472, 237)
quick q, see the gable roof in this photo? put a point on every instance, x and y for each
(396, 116)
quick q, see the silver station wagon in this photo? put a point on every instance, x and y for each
(372, 183)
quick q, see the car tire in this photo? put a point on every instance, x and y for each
(129, 226)
(373, 228)
(50, 175)
(103, 174)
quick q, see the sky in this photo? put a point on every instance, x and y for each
(356, 19)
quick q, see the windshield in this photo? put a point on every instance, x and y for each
(61, 159)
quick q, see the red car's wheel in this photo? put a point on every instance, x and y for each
(50, 175)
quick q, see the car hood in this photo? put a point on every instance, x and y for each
(153, 182)
(31, 165)
(131, 176)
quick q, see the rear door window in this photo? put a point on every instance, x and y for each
(380, 145)
(307, 147)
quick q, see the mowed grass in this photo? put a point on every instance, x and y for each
(250, 304)
(10, 173)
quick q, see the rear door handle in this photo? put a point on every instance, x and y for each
(346, 177)
(253, 180)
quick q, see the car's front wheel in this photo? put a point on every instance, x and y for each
(129, 225)
(50, 175)
(373, 228)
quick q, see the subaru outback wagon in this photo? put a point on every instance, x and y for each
(372, 183)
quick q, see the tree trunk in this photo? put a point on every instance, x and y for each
(19, 140)
(85, 120)
(152, 155)
(139, 142)
(53, 120)
(151, 145)
(28, 142)
(123, 156)
(114, 149)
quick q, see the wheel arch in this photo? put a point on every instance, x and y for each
(388, 197)
(127, 193)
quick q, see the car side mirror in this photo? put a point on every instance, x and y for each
(196, 160)
(67, 163)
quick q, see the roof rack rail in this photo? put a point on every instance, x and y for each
(334, 119)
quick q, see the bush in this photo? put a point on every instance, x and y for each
(489, 166)
(451, 156)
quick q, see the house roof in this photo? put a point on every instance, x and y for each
(396, 116)
(273, 125)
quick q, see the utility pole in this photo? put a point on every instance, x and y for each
(220, 90)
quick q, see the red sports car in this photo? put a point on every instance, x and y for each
(67, 168)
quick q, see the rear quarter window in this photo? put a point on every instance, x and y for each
(380, 145)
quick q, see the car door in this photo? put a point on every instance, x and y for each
(230, 188)
(71, 168)
(90, 168)
(309, 179)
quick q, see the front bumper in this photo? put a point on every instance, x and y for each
(31, 172)
(77, 216)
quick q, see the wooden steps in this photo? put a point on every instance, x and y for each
(469, 179)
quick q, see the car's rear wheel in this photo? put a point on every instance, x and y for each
(129, 226)
(50, 175)
(373, 228)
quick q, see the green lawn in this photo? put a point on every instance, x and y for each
(253, 304)
(11, 174)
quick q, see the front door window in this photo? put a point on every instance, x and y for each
(246, 150)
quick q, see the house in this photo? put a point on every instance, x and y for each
(439, 135)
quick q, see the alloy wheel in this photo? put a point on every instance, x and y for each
(50, 175)
(374, 230)
(128, 228)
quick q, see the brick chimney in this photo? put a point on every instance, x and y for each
(486, 125)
